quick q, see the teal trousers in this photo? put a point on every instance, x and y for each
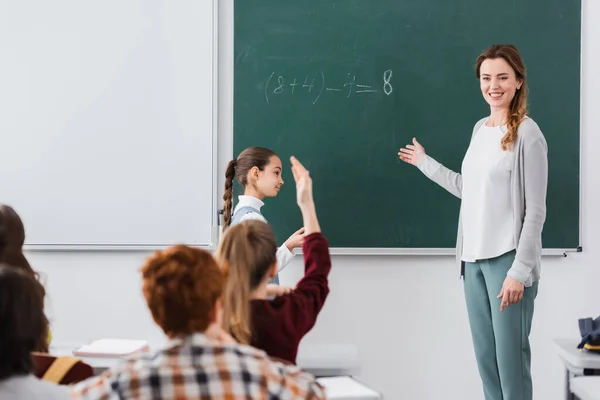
(501, 339)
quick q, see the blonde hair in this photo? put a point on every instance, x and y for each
(518, 105)
(246, 254)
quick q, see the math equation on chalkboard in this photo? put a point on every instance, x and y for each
(316, 87)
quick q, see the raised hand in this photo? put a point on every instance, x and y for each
(304, 197)
(303, 183)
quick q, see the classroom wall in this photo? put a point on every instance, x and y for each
(405, 314)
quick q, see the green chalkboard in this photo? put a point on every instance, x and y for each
(343, 84)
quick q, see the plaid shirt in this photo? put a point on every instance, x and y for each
(198, 368)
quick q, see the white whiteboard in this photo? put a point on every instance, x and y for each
(106, 121)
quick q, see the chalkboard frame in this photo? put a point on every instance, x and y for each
(451, 250)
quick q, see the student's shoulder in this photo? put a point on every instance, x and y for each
(252, 216)
(52, 391)
(285, 378)
(253, 358)
(31, 386)
(266, 362)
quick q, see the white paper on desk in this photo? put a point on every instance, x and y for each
(344, 387)
(111, 347)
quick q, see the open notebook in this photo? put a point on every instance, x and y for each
(111, 348)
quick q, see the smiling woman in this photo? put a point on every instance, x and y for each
(504, 87)
(502, 187)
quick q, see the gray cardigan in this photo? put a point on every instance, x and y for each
(529, 180)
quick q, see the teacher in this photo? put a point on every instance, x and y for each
(502, 187)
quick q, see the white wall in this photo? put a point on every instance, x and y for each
(406, 314)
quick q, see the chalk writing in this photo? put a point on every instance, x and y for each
(315, 86)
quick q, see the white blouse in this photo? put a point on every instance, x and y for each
(487, 216)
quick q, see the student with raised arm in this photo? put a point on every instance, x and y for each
(502, 187)
(259, 171)
(183, 287)
(247, 254)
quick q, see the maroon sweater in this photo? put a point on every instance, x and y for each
(278, 325)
